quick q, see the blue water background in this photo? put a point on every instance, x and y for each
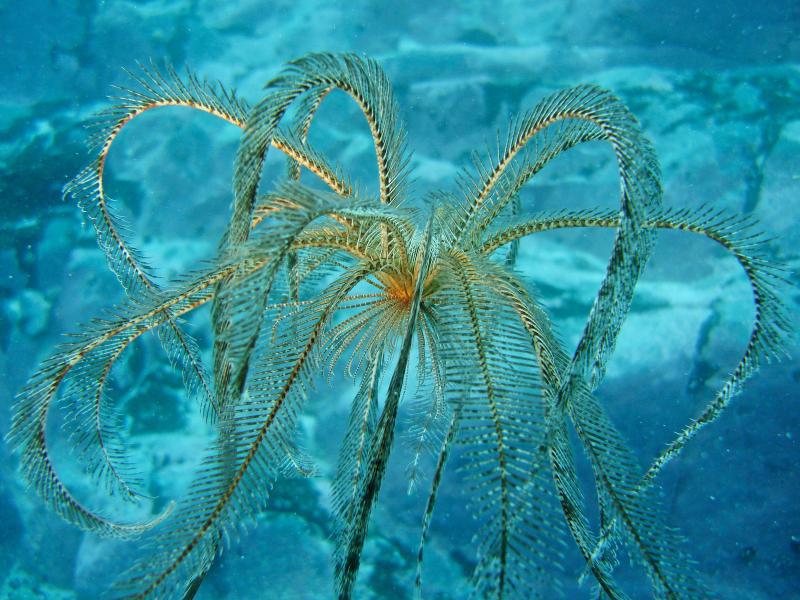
(716, 86)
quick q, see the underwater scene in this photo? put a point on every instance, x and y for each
(441, 300)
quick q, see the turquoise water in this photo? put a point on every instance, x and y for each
(715, 86)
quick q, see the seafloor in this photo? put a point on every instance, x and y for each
(716, 86)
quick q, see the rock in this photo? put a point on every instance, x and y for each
(279, 558)
(98, 563)
(12, 531)
(30, 311)
(23, 585)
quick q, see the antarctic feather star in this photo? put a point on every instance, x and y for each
(305, 279)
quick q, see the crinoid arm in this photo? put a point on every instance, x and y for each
(500, 425)
(360, 78)
(257, 432)
(552, 361)
(568, 382)
(351, 540)
(83, 365)
(246, 457)
(767, 337)
(251, 438)
(441, 461)
(158, 89)
(739, 236)
(366, 83)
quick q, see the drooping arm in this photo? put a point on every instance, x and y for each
(100, 346)
(361, 78)
(507, 188)
(553, 362)
(613, 465)
(158, 90)
(221, 496)
(584, 113)
(29, 423)
(640, 197)
(366, 83)
(491, 377)
(441, 462)
(739, 237)
(351, 543)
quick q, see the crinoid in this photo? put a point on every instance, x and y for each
(305, 279)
